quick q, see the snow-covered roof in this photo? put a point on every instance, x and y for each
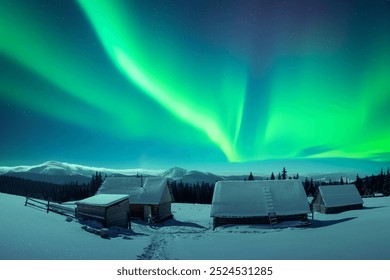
(120, 185)
(340, 195)
(149, 193)
(103, 200)
(249, 198)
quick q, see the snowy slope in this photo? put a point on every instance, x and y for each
(61, 168)
(174, 173)
(60, 172)
(192, 176)
(28, 233)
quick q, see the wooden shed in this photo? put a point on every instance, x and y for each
(336, 199)
(150, 198)
(258, 202)
(108, 209)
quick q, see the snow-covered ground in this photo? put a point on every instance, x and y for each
(29, 233)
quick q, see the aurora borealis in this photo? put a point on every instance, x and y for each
(174, 82)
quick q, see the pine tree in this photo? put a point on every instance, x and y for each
(386, 185)
(306, 186)
(359, 184)
(251, 177)
(272, 176)
(95, 183)
(284, 173)
(381, 182)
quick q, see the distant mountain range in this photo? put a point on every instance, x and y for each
(193, 176)
(60, 173)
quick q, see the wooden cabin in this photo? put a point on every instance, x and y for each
(336, 199)
(108, 209)
(150, 198)
(258, 202)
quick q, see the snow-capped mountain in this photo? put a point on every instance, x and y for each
(192, 177)
(62, 168)
(60, 172)
(195, 176)
(174, 173)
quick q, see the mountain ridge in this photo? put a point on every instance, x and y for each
(61, 172)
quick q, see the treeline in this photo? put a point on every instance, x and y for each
(367, 186)
(191, 193)
(310, 186)
(281, 176)
(203, 192)
(181, 192)
(374, 184)
(49, 191)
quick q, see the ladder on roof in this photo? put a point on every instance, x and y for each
(270, 208)
(272, 219)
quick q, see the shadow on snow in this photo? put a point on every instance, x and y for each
(319, 224)
(169, 223)
(373, 207)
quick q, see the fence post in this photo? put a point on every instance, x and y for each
(48, 205)
(25, 203)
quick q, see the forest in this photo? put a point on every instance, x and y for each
(368, 186)
(200, 192)
(49, 191)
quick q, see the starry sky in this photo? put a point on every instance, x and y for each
(194, 83)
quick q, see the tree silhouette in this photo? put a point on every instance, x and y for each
(359, 184)
(284, 173)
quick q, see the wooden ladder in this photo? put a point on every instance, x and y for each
(270, 207)
(272, 219)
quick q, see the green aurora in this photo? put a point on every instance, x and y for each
(287, 83)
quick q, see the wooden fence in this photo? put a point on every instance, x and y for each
(50, 206)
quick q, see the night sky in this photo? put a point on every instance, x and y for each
(197, 84)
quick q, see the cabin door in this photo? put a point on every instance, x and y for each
(147, 212)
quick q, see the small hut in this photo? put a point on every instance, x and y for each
(108, 209)
(258, 202)
(336, 199)
(150, 198)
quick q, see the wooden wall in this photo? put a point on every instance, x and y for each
(165, 211)
(113, 215)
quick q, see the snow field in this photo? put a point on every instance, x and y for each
(29, 233)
